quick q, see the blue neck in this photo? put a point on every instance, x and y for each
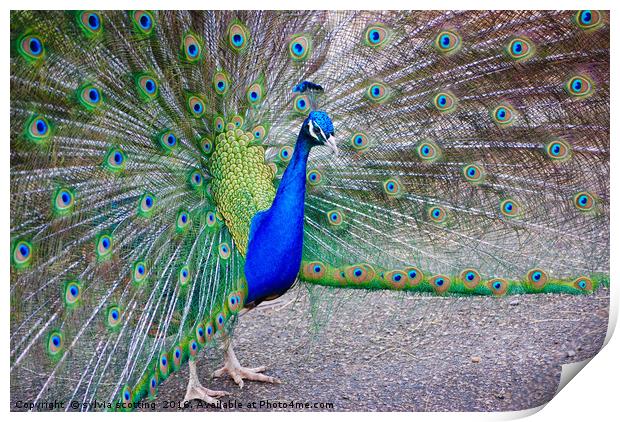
(276, 235)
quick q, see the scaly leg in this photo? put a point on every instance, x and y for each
(195, 390)
(239, 373)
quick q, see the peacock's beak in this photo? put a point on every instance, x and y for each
(331, 143)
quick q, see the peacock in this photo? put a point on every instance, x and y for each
(171, 170)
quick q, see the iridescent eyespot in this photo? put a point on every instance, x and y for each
(147, 85)
(510, 208)
(358, 274)
(234, 302)
(444, 102)
(31, 47)
(447, 41)
(259, 133)
(299, 47)
(470, 278)
(254, 94)
(177, 357)
(164, 366)
(143, 21)
(113, 316)
(184, 275)
(37, 129)
(90, 22)
(376, 35)
(209, 330)
(301, 104)
(200, 334)
(589, 19)
(414, 276)
(220, 320)
(168, 140)
(428, 151)
(196, 107)
(72, 293)
(139, 272)
(313, 177)
(237, 121)
(558, 150)
(498, 286)
(22, 254)
(218, 124)
(126, 396)
(440, 283)
(238, 36)
(579, 86)
(146, 204)
(191, 48)
(211, 219)
(195, 179)
(396, 279)
(537, 277)
(334, 217)
(182, 220)
(473, 173)
(55, 344)
(584, 201)
(314, 270)
(104, 246)
(377, 92)
(221, 83)
(520, 48)
(359, 141)
(114, 160)
(63, 201)
(285, 153)
(437, 214)
(89, 96)
(392, 187)
(224, 250)
(206, 145)
(583, 284)
(503, 115)
(193, 348)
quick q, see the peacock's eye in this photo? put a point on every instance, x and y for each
(437, 214)
(579, 86)
(510, 208)
(31, 47)
(444, 102)
(299, 47)
(301, 104)
(221, 83)
(584, 201)
(520, 48)
(558, 150)
(589, 19)
(503, 115)
(377, 92)
(473, 173)
(376, 35)
(391, 187)
(238, 36)
(447, 41)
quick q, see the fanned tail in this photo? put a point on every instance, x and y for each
(475, 156)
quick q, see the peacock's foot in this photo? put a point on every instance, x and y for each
(195, 390)
(239, 373)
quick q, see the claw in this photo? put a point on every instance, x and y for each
(195, 390)
(239, 373)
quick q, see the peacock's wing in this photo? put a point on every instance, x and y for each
(475, 153)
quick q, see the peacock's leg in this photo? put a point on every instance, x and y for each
(239, 373)
(195, 390)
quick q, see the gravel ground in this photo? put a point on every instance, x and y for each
(389, 351)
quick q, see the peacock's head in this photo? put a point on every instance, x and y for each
(320, 130)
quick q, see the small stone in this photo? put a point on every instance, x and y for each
(514, 302)
(570, 353)
(475, 359)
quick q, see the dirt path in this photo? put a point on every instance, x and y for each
(389, 351)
